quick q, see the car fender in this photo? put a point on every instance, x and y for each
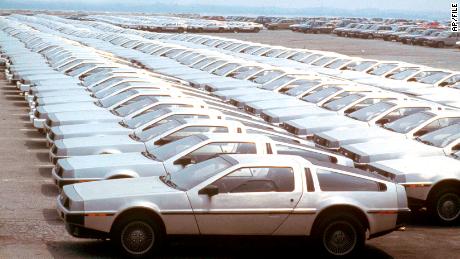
(121, 174)
(108, 151)
(328, 203)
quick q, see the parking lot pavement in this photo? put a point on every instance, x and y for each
(374, 49)
(30, 227)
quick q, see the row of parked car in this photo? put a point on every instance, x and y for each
(158, 134)
(420, 34)
(175, 24)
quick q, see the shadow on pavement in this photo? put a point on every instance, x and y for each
(49, 189)
(52, 217)
(207, 247)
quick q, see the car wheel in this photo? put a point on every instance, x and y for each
(444, 206)
(341, 235)
(440, 44)
(180, 30)
(137, 236)
(256, 29)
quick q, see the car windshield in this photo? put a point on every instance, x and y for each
(245, 72)
(363, 66)
(80, 69)
(112, 100)
(158, 130)
(321, 95)
(193, 175)
(370, 112)
(408, 123)
(108, 82)
(311, 58)
(273, 53)
(338, 104)
(299, 56)
(302, 88)
(225, 69)
(264, 78)
(121, 86)
(278, 82)
(322, 61)
(403, 73)
(260, 51)
(203, 63)
(433, 78)
(338, 63)
(171, 149)
(286, 54)
(212, 66)
(144, 118)
(382, 69)
(139, 103)
(442, 137)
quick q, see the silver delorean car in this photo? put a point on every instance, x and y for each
(339, 207)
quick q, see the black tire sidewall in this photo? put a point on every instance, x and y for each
(326, 221)
(433, 203)
(120, 225)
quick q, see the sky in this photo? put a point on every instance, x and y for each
(407, 5)
(412, 7)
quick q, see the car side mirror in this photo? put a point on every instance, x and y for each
(209, 190)
(183, 161)
(413, 79)
(382, 121)
(161, 142)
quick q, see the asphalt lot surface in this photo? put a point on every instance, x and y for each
(447, 58)
(30, 227)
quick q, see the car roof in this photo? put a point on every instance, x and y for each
(237, 137)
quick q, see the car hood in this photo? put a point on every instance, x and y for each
(345, 136)
(67, 118)
(89, 129)
(122, 188)
(421, 169)
(314, 124)
(69, 107)
(105, 166)
(64, 99)
(97, 144)
(385, 149)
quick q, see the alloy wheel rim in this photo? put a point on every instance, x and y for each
(449, 207)
(340, 238)
(137, 237)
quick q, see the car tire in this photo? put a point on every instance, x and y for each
(180, 30)
(440, 44)
(444, 206)
(137, 236)
(340, 235)
(256, 29)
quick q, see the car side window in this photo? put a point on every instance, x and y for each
(330, 181)
(213, 149)
(257, 179)
(288, 150)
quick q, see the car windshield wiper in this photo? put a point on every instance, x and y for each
(424, 141)
(167, 180)
(149, 155)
